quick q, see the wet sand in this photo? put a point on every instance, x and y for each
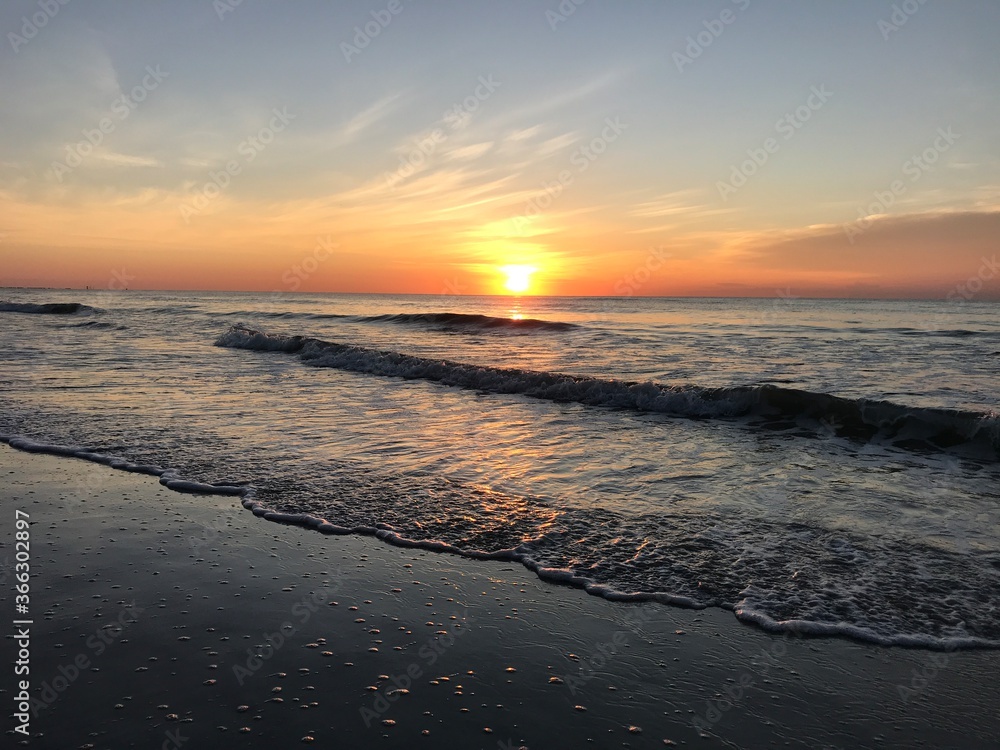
(164, 620)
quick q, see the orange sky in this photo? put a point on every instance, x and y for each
(295, 247)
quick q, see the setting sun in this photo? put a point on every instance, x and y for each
(518, 278)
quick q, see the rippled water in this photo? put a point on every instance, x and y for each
(823, 466)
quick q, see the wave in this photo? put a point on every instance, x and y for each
(443, 320)
(466, 320)
(916, 428)
(48, 308)
(756, 604)
(280, 315)
(98, 324)
(953, 333)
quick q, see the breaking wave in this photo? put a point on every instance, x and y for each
(917, 428)
(48, 308)
(448, 321)
(465, 320)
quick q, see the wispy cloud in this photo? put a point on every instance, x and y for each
(679, 207)
(523, 134)
(104, 156)
(556, 144)
(558, 99)
(367, 117)
(473, 151)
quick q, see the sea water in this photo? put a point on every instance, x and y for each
(817, 466)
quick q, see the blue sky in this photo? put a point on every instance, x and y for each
(670, 177)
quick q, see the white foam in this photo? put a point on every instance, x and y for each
(749, 614)
(201, 488)
(168, 477)
(750, 609)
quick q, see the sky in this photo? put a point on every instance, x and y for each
(651, 147)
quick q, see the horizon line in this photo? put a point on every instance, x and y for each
(937, 298)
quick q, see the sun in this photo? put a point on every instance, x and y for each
(518, 278)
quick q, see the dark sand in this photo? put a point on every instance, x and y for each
(481, 654)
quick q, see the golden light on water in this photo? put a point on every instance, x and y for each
(518, 278)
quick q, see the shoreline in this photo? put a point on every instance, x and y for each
(170, 479)
(202, 610)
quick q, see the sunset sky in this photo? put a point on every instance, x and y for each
(734, 147)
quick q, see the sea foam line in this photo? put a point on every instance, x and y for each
(743, 611)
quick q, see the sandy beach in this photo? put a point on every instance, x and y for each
(169, 620)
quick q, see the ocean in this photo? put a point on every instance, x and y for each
(827, 467)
